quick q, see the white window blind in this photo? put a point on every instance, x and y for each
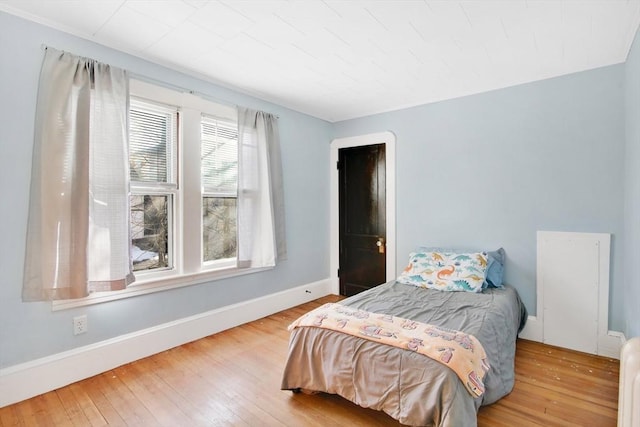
(152, 136)
(153, 142)
(219, 157)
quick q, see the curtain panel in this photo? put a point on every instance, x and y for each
(78, 227)
(261, 220)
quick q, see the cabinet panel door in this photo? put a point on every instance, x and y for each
(570, 280)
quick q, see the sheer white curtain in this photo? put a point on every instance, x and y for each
(261, 229)
(78, 228)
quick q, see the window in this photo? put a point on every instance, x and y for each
(183, 159)
(153, 141)
(219, 144)
(186, 191)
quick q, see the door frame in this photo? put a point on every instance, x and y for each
(389, 140)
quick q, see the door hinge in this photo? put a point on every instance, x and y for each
(338, 165)
(338, 272)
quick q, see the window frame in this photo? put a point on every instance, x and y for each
(209, 192)
(169, 188)
(189, 266)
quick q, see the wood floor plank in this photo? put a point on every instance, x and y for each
(50, 409)
(84, 401)
(92, 389)
(73, 405)
(126, 403)
(233, 379)
(220, 378)
(9, 416)
(164, 410)
(155, 379)
(544, 409)
(222, 374)
(213, 405)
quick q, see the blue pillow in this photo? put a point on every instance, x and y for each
(495, 263)
(495, 268)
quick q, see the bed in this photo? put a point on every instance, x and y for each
(410, 387)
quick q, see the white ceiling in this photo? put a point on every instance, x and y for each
(341, 59)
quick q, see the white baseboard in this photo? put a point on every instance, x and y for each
(26, 380)
(532, 330)
(608, 345)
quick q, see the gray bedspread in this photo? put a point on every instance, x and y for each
(408, 386)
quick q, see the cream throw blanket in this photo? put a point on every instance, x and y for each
(461, 352)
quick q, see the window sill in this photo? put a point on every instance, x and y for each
(148, 286)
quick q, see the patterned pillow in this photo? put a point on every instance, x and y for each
(446, 271)
(495, 263)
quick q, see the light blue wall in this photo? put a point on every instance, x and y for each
(632, 191)
(487, 170)
(29, 331)
(490, 170)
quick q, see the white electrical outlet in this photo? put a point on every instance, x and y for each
(80, 325)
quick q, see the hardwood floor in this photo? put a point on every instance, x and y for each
(233, 379)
